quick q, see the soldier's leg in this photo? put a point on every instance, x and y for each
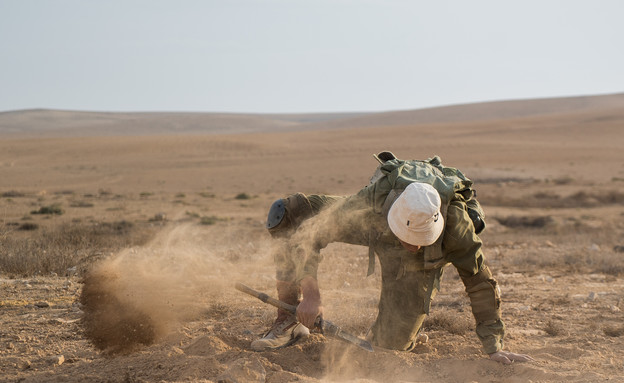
(286, 329)
(403, 305)
(287, 290)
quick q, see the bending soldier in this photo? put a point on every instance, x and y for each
(417, 217)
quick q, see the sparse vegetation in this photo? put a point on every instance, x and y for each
(12, 194)
(242, 196)
(54, 250)
(614, 331)
(449, 322)
(158, 217)
(548, 199)
(209, 220)
(28, 226)
(81, 204)
(526, 222)
(554, 328)
(64, 192)
(54, 209)
(563, 180)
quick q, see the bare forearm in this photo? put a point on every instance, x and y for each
(310, 307)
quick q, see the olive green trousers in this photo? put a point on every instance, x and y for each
(404, 303)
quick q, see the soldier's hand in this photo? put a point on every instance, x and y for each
(310, 307)
(307, 312)
(506, 357)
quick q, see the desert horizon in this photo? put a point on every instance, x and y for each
(168, 209)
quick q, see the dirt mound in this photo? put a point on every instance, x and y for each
(206, 345)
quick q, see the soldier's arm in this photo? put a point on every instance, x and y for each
(328, 219)
(287, 214)
(349, 221)
(463, 249)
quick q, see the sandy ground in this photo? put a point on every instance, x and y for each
(562, 282)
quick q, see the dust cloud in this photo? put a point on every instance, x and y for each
(346, 220)
(138, 296)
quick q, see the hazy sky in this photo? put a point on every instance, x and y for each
(303, 55)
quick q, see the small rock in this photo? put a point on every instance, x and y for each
(177, 350)
(615, 309)
(57, 359)
(618, 249)
(159, 217)
(23, 364)
(594, 247)
(346, 284)
(549, 244)
(42, 304)
(546, 278)
(591, 296)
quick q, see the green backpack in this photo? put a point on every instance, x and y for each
(450, 182)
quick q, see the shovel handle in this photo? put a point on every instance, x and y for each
(265, 298)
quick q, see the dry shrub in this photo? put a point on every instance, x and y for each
(514, 221)
(81, 204)
(551, 200)
(57, 249)
(451, 322)
(242, 196)
(565, 180)
(608, 263)
(614, 331)
(12, 194)
(578, 259)
(55, 209)
(546, 195)
(597, 199)
(28, 226)
(209, 220)
(555, 328)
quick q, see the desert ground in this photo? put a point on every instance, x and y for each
(153, 218)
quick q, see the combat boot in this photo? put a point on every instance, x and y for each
(286, 330)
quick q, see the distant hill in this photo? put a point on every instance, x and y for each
(60, 123)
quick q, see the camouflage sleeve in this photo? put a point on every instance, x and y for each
(340, 219)
(462, 248)
(319, 201)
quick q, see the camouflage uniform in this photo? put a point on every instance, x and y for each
(409, 282)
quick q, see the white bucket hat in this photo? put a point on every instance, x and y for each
(415, 216)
